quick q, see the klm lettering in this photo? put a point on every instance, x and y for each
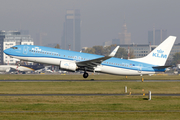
(159, 55)
(36, 48)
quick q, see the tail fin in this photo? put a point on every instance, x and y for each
(160, 54)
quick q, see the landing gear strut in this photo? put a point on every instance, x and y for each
(19, 64)
(85, 75)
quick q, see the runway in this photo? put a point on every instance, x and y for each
(89, 81)
(135, 94)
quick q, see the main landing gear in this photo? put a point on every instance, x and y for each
(19, 64)
(85, 75)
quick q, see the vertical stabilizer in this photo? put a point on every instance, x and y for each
(160, 54)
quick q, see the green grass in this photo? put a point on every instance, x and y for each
(87, 87)
(90, 107)
(91, 116)
(79, 77)
(87, 107)
(88, 103)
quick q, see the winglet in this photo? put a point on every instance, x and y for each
(114, 52)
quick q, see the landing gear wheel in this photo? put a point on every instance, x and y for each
(85, 75)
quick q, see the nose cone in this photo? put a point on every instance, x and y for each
(7, 51)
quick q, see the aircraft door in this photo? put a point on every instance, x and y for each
(25, 50)
(140, 68)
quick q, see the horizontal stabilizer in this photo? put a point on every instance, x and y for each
(162, 66)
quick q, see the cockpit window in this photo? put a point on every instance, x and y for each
(14, 47)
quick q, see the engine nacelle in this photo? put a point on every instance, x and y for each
(7, 70)
(68, 65)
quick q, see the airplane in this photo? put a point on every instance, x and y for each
(22, 68)
(68, 60)
(176, 68)
(45, 69)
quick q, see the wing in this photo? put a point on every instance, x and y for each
(11, 69)
(90, 64)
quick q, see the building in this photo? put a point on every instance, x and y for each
(138, 50)
(125, 37)
(156, 36)
(71, 38)
(175, 49)
(39, 38)
(107, 43)
(9, 39)
(24, 32)
(84, 48)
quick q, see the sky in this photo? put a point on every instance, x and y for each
(102, 20)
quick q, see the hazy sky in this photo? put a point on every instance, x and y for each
(102, 20)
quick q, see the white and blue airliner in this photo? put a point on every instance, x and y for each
(153, 63)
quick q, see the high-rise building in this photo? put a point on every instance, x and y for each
(71, 38)
(9, 39)
(39, 38)
(125, 37)
(156, 36)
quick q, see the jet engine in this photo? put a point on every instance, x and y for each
(7, 70)
(68, 65)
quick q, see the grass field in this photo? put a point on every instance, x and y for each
(87, 87)
(87, 107)
(80, 77)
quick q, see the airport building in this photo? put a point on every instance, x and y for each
(175, 49)
(139, 50)
(71, 38)
(9, 39)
